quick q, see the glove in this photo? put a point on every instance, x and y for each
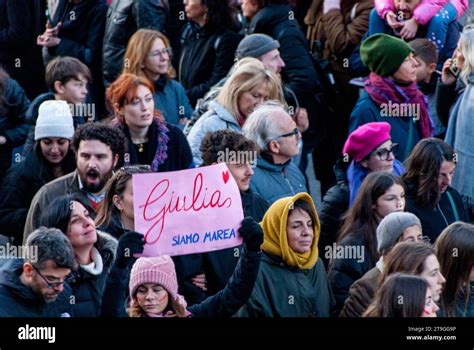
(129, 244)
(252, 234)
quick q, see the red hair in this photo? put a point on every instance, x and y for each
(124, 89)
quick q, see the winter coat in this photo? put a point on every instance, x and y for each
(179, 155)
(334, 205)
(67, 184)
(87, 288)
(114, 227)
(217, 118)
(219, 265)
(285, 291)
(423, 12)
(299, 71)
(20, 24)
(346, 270)
(171, 100)
(459, 135)
(125, 17)
(206, 56)
(361, 294)
(18, 300)
(446, 96)
(13, 106)
(338, 30)
(81, 34)
(274, 181)
(221, 305)
(435, 218)
(366, 111)
(21, 183)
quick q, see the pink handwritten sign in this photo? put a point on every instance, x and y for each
(188, 211)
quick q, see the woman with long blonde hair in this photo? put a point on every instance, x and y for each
(249, 86)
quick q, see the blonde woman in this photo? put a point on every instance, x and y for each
(250, 85)
(149, 56)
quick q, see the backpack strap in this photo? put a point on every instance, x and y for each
(453, 206)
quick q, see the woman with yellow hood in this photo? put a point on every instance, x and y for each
(292, 280)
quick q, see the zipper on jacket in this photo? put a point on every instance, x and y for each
(442, 214)
(288, 181)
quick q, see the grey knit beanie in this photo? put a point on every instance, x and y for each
(391, 228)
(255, 45)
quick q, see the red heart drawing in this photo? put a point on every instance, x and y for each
(225, 176)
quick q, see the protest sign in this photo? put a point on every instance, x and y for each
(188, 211)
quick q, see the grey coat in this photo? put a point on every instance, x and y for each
(217, 118)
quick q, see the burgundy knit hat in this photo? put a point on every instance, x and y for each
(158, 270)
(365, 139)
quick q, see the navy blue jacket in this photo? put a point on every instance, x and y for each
(18, 300)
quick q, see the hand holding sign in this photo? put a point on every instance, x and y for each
(252, 234)
(188, 211)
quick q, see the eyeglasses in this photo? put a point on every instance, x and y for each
(383, 153)
(295, 132)
(166, 51)
(52, 285)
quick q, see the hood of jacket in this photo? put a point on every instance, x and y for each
(10, 272)
(275, 238)
(222, 113)
(269, 17)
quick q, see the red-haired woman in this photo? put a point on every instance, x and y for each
(150, 139)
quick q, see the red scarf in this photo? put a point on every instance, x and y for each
(382, 90)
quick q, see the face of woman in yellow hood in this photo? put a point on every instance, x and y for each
(300, 231)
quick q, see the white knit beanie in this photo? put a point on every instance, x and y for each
(54, 120)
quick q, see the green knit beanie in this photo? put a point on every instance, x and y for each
(384, 54)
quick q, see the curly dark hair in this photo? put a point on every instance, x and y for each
(215, 143)
(109, 135)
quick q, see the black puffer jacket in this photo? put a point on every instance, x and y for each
(19, 187)
(13, 106)
(207, 54)
(87, 288)
(335, 204)
(124, 18)
(17, 300)
(299, 72)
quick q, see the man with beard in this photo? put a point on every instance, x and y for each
(98, 148)
(35, 286)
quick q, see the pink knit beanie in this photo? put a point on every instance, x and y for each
(158, 270)
(365, 139)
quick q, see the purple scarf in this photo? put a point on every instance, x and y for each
(382, 90)
(161, 153)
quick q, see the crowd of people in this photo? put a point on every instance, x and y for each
(94, 92)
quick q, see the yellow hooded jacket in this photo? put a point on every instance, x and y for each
(275, 239)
